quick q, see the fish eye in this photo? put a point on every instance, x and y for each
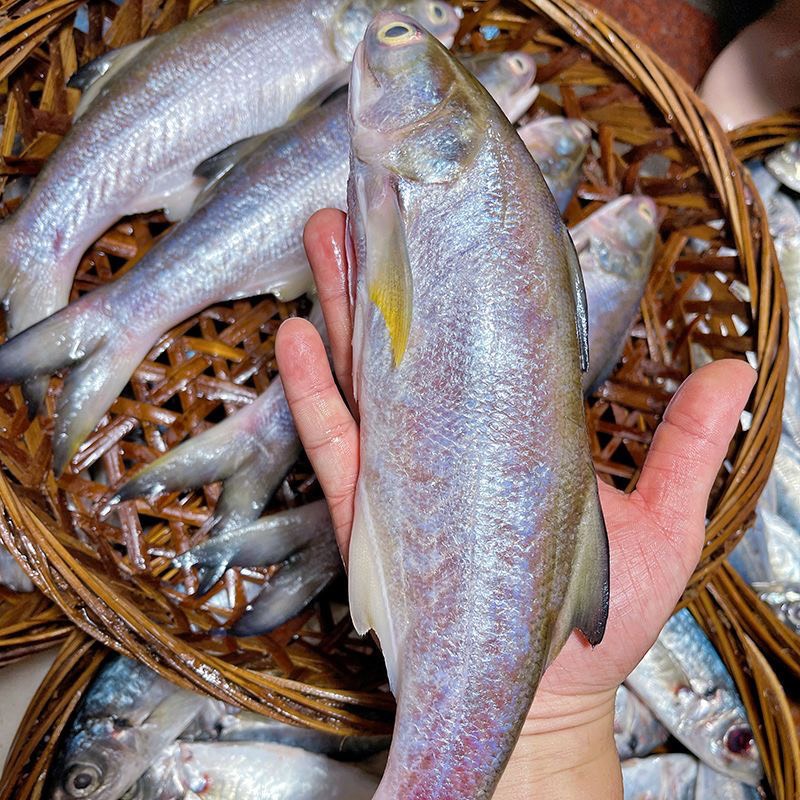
(396, 33)
(436, 12)
(739, 739)
(82, 780)
(518, 65)
(647, 212)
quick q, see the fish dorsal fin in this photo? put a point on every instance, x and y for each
(388, 270)
(318, 97)
(581, 306)
(92, 77)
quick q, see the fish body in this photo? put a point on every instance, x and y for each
(559, 147)
(249, 771)
(12, 576)
(478, 541)
(783, 599)
(713, 785)
(161, 106)
(508, 77)
(636, 731)
(265, 193)
(670, 776)
(129, 715)
(784, 164)
(768, 552)
(615, 247)
(685, 684)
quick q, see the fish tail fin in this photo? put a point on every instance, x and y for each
(82, 338)
(586, 608)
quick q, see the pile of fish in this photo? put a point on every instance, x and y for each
(768, 556)
(681, 689)
(480, 323)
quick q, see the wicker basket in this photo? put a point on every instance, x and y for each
(118, 585)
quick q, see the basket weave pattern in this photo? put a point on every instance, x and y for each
(714, 292)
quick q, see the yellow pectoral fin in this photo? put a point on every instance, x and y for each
(391, 293)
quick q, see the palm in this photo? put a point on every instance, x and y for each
(655, 534)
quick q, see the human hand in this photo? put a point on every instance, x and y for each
(655, 534)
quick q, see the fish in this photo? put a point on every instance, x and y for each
(559, 147)
(249, 771)
(783, 216)
(478, 542)
(231, 724)
(508, 77)
(670, 776)
(783, 599)
(615, 248)
(786, 475)
(713, 785)
(260, 197)
(636, 731)
(765, 182)
(769, 551)
(685, 684)
(12, 576)
(129, 715)
(151, 111)
(784, 164)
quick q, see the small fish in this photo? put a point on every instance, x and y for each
(559, 147)
(783, 599)
(153, 110)
(129, 715)
(615, 247)
(685, 684)
(508, 77)
(478, 542)
(670, 776)
(262, 193)
(249, 771)
(713, 785)
(636, 731)
(236, 725)
(784, 164)
(12, 576)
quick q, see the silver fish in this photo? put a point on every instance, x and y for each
(783, 216)
(670, 776)
(249, 771)
(713, 785)
(786, 474)
(478, 542)
(615, 247)
(12, 576)
(264, 193)
(236, 725)
(769, 551)
(508, 77)
(153, 110)
(783, 599)
(685, 684)
(129, 715)
(636, 731)
(784, 164)
(559, 147)
(765, 182)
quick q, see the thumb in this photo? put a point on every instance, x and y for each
(689, 447)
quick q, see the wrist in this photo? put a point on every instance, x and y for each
(566, 751)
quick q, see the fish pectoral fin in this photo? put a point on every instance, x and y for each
(323, 93)
(369, 604)
(586, 608)
(213, 169)
(388, 269)
(581, 305)
(93, 76)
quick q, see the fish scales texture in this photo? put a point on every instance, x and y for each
(468, 494)
(204, 84)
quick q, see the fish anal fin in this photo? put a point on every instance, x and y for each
(369, 606)
(581, 305)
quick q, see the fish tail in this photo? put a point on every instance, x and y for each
(80, 337)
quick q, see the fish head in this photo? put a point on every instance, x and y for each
(621, 238)
(509, 79)
(436, 16)
(413, 109)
